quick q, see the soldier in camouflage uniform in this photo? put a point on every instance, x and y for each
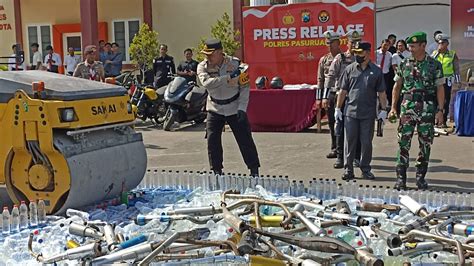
(340, 62)
(327, 95)
(419, 80)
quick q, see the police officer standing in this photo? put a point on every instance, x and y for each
(227, 101)
(163, 66)
(328, 95)
(338, 65)
(419, 81)
(361, 83)
(450, 62)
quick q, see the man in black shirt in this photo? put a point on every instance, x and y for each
(187, 69)
(163, 66)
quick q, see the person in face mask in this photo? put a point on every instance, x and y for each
(361, 83)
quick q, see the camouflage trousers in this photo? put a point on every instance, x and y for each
(419, 115)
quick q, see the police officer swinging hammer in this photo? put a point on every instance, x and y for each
(228, 95)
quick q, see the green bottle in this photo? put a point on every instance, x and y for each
(393, 118)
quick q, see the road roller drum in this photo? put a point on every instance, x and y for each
(66, 140)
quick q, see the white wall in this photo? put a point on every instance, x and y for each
(403, 21)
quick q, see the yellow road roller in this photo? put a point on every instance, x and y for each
(68, 141)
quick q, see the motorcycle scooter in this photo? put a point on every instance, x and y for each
(186, 102)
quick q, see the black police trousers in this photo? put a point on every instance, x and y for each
(331, 120)
(242, 133)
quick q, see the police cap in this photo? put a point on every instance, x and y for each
(211, 45)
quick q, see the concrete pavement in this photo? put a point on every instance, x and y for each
(302, 156)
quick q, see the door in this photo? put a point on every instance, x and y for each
(73, 40)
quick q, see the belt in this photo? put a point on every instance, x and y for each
(225, 101)
(418, 97)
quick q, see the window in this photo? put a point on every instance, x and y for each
(124, 31)
(40, 34)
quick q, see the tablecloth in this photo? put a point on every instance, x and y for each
(281, 110)
(464, 113)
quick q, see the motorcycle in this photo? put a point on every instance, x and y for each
(147, 102)
(186, 102)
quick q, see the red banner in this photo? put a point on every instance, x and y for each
(462, 28)
(287, 40)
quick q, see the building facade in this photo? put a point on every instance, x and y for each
(179, 23)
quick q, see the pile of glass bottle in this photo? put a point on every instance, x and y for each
(370, 225)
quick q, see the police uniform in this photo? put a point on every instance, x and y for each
(162, 67)
(362, 87)
(327, 93)
(337, 67)
(226, 102)
(94, 71)
(450, 63)
(420, 80)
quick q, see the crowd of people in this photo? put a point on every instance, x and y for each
(414, 84)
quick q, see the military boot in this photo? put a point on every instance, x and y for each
(401, 178)
(420, 177)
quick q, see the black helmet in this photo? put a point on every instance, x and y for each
(261, 82)
(276, 83)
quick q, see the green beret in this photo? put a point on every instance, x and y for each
(417, 37)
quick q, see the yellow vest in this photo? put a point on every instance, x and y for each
(446, 59)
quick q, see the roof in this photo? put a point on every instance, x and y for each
(57, 86)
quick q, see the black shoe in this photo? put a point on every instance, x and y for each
(339, 163)
(368, 175)
(348, 176)
(401, 183)
(331, 155)
(217, 172)
(356, 163)
(420, 177)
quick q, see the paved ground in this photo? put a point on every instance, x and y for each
(302, 155)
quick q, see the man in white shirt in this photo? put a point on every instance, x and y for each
(52, 60)
(70, 61)
(14, 62)
(433, 46)
(402, 53)
(37, 57)
(384, 61)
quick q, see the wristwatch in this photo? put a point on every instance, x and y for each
(440, 110)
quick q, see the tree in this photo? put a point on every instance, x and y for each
(224, 31)
(144, 48)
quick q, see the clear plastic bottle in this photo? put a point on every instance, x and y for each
(5, 221)
(438, 199)
(155, 182)
(360, 192)
(332, 189)
(286, 187)
(15, 220)
(23, 215)
(41, 212)
(301, 189)
(294, 188)
(72, 212)
(33, 214)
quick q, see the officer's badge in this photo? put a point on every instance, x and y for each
(244, 79)
(323, 16)
(413, 39)
(305, 16)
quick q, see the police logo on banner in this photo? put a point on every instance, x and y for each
(305, 15)
(323, 16)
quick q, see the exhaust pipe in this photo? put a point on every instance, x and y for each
(393, 240)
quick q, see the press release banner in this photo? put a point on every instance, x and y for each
(287, 40)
